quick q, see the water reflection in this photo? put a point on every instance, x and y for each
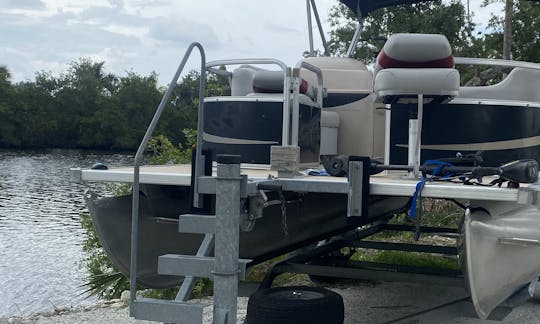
(40, 234)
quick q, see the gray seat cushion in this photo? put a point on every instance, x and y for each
(430, 82)
(415, 51)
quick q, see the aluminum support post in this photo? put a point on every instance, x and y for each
(418, 147)
(411, 158)
(310, 29)
(227, 239)
(295, 122)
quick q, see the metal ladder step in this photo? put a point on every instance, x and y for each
(167, 311)
(197, 224)
(192, 265)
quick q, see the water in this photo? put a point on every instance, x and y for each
(40, 233)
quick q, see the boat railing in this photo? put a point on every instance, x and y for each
(142, 147)
(291, 79)
(296, 96)
(286, 86)
(496, 62)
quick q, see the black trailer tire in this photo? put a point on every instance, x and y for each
(295, 305)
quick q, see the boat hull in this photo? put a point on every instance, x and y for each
(314, 217)
(501, 252)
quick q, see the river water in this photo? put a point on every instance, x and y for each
(40, 233)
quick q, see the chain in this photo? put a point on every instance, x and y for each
(284, 213)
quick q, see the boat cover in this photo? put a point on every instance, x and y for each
(363, 7)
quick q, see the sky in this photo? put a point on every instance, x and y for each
(152, 35)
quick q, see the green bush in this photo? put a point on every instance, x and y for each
(104, 279)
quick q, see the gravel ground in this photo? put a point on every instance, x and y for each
(364, 303)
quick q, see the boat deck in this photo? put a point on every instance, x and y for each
(385, 184)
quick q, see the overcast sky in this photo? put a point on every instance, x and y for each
(150, 35)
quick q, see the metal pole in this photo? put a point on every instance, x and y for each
(411, 158)
(319, 25)
(285, 133)
(136, 169)
(227, 239)
(418, 147)
(388, 119)
(199, 159)
(354, 41)
(310, 29)
(295, 123)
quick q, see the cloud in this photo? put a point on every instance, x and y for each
(22, 4)
(145, 35)
(281, 29)
(183, 31)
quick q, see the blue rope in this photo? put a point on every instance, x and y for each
(440, 165)
(420, 185)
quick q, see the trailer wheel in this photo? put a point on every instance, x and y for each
(297, 304)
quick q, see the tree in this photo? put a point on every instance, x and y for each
(448, 19)
(525, 33)
(8, 129)
(507, 31)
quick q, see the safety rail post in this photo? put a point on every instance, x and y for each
(227, 239)
(140, 153)
(296, 93)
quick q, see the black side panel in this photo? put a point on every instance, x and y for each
(467, 124)
(249, 128)
(309, 134)
(340, 99)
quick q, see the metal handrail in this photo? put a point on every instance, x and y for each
(496, 62)
(140, 152)
(296, 96)
(286, 87)
(318, 72)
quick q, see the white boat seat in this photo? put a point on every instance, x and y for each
(521, 84)
(412, 64)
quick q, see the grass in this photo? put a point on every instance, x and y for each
(409, 259)
(436, 213)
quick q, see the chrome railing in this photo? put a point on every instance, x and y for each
(286, 86)
(142, 148)
(496, 62)
(296, 96)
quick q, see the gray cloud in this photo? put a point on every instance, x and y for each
(22, 4)
(139, 35)
(275, 28)
(107, 15)
(183, 31)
